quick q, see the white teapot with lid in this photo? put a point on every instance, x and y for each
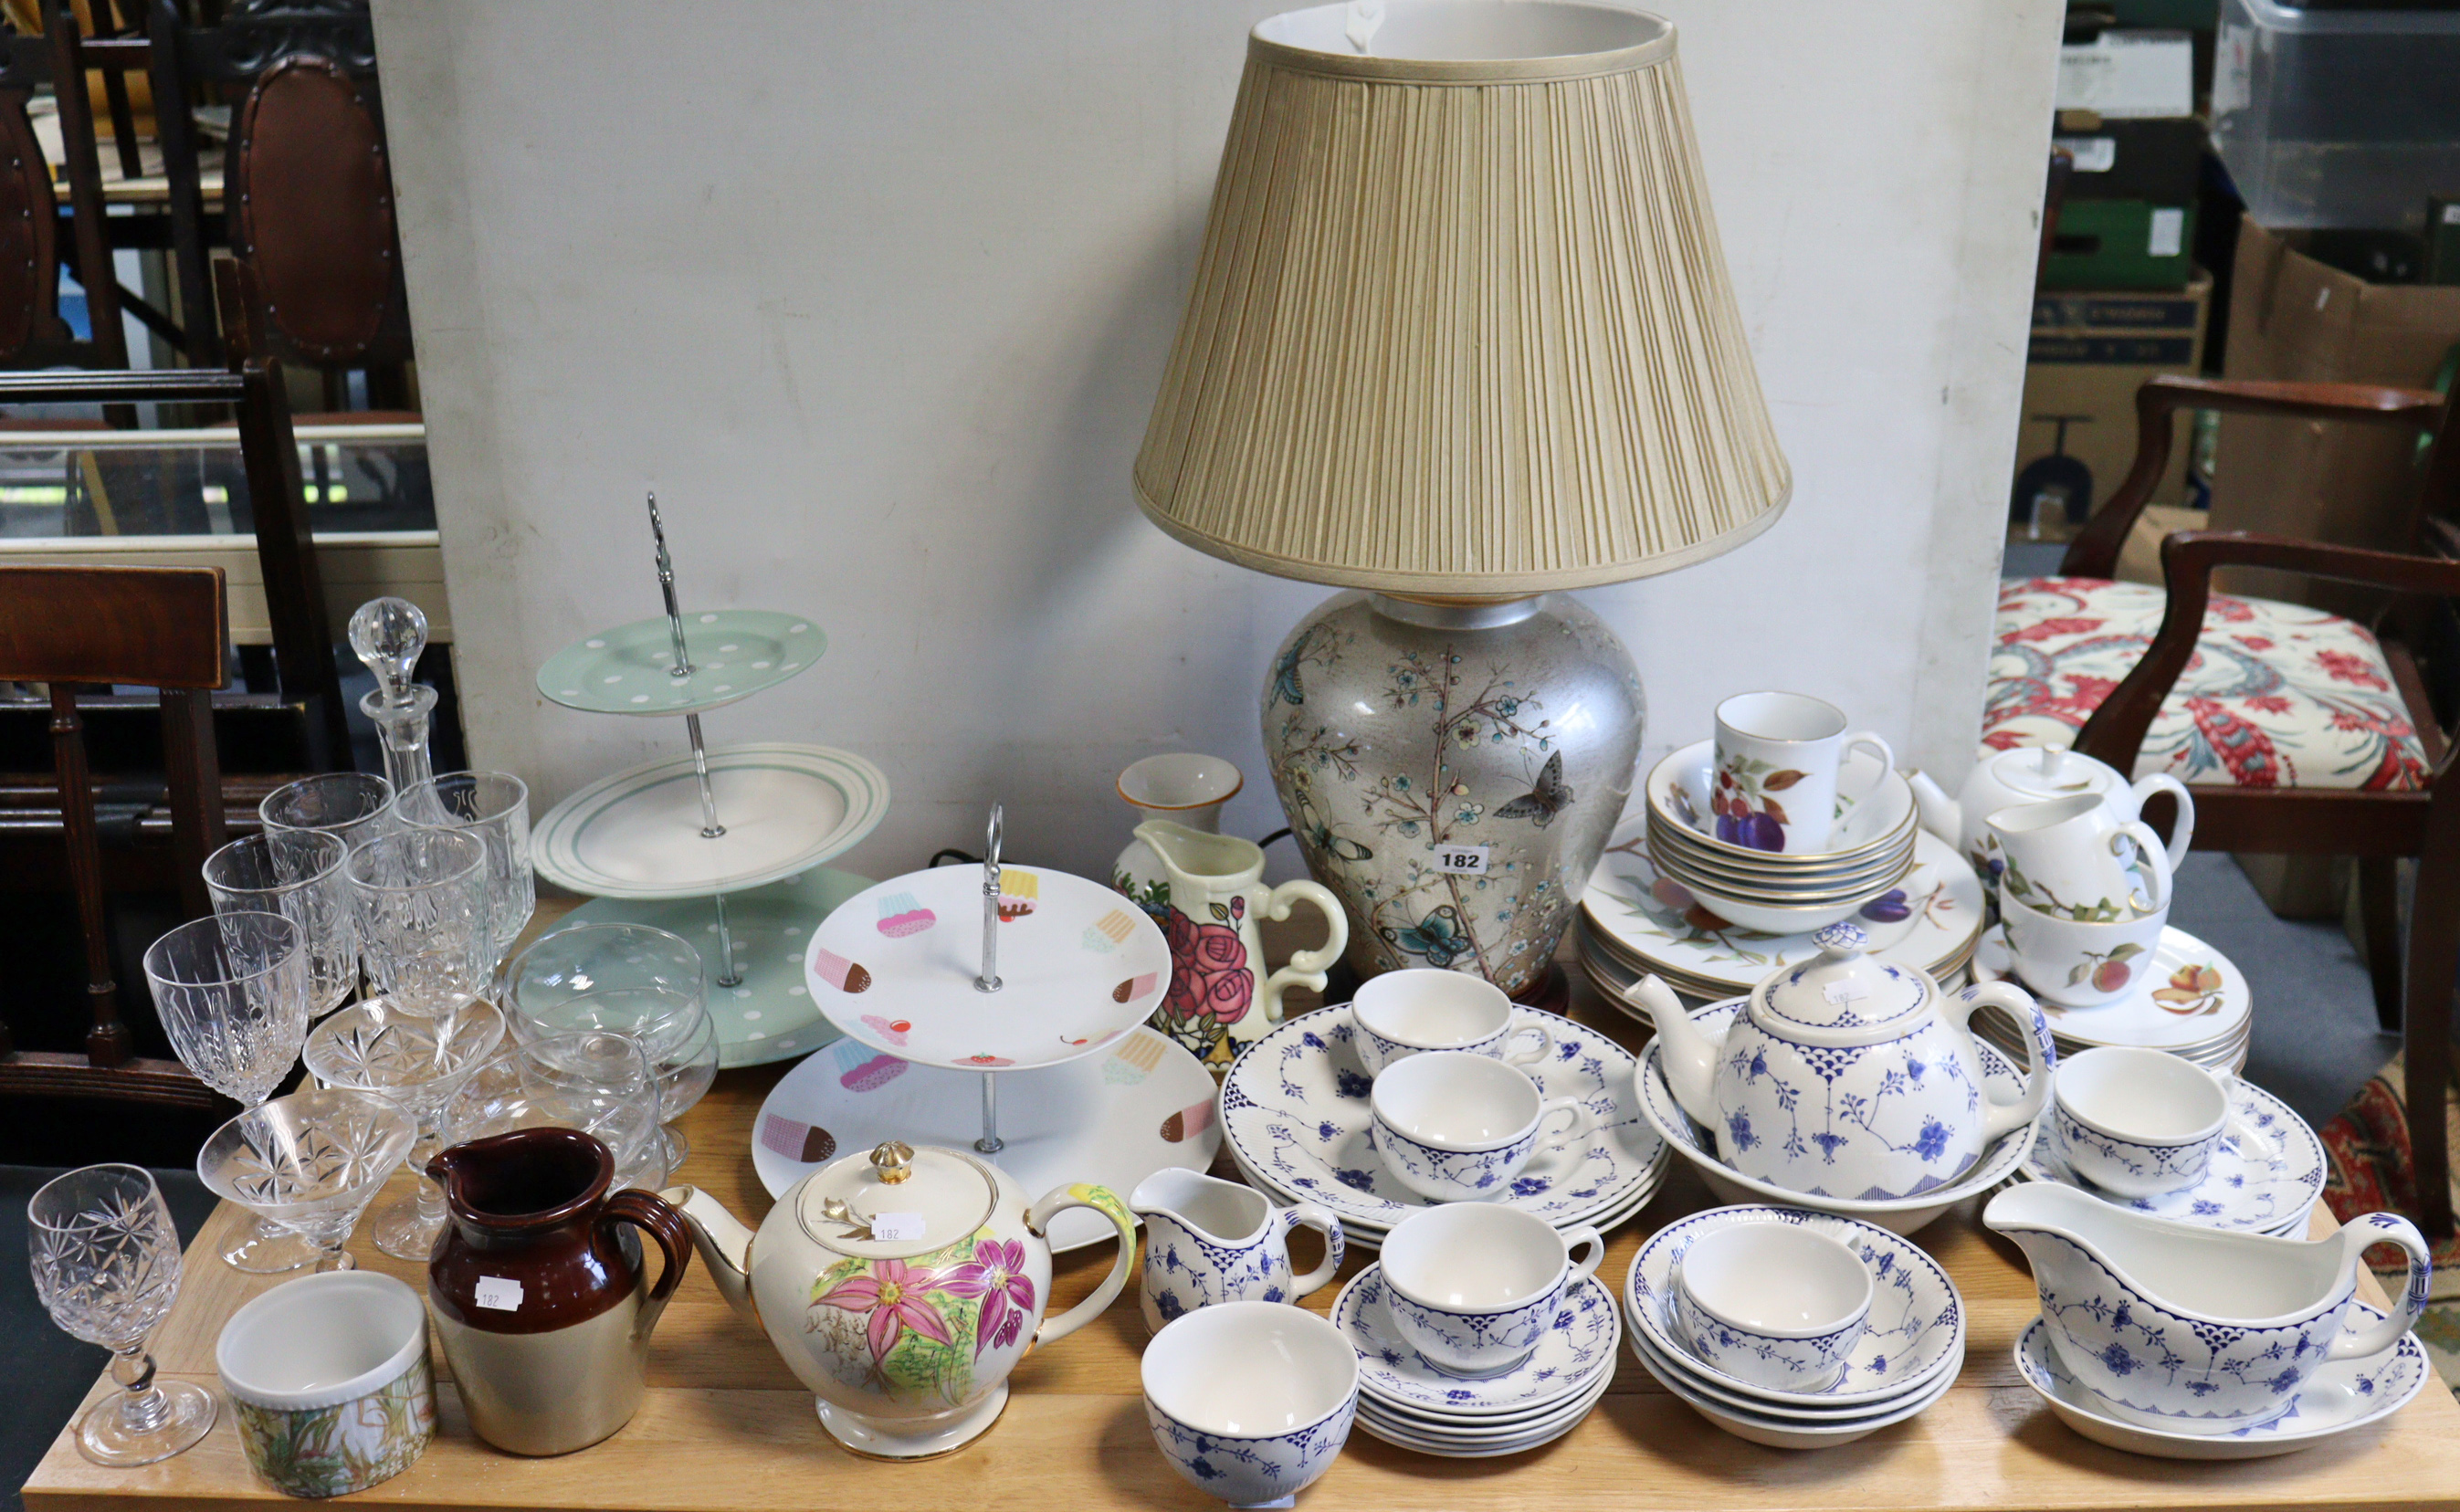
(1848, 1075)
(901, 1286)
(2027, 775)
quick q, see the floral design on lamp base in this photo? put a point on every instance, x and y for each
(1452, 772)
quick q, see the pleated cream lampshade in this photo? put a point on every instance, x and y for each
(1462, 326)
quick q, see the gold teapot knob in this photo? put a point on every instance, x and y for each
(894, 1161)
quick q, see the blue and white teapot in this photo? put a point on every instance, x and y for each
(1847, 1076)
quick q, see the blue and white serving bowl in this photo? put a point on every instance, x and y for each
(1250, 1401)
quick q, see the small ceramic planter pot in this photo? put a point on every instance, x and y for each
(2140, 1123)
(1404, 1014)
(1455, 1127)
(1474, 1288)
(1250, 1401)
(1771, 1304)
(331, 1380)
(2080, 965)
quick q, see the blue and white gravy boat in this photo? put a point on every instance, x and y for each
(2191, 1330)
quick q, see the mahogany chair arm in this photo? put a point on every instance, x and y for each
(2094, 551)
(2115, 732)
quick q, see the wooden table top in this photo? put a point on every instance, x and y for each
(726, 1426)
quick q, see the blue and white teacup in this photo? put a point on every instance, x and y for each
(1772, 1304)
(1250, 1401)
(1404, 1014)
(2136, 1123)
(1474, 1288)
(1454, 1127)
(331, 1382)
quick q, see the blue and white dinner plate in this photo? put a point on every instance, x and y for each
(2268, 1189)
(1294, 1111)
(1575, 1350)
(1916, 1325)
(2342, 1395)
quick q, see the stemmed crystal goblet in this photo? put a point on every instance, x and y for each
(417, 1062)
(310, 1161)
(106, 1261)
(425, 930)
(635, 980)
(495, 806)
(232, 993)
(597, 1081)
(297, 874)
(354, 805)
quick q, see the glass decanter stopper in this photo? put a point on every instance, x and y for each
(389, 635)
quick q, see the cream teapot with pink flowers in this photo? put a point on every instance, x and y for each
(901, 1286)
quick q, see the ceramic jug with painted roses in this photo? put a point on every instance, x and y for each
(902, 1285)
(1207, 899)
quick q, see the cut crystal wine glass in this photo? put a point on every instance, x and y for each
(354, 805)
(494, 806)
(425, 931)
(596, 1082)
(106, 1261)
(298, 875)
(418, 1062)
(231, 991)
(635, 980)
(310, 1161)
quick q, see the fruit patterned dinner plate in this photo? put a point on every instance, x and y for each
(1079, 967)
(1144, 1105)
(1294, 1109)
(637, 834)
(629, 670)
(2342, 1395)
(2191, 996)
(1652, 921)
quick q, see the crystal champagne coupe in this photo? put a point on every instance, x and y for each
(418, 1062)
(310, 1161)
(635, 980)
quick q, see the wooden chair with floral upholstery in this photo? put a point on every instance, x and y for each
(2300, 732)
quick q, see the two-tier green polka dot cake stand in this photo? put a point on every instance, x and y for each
(722, 846)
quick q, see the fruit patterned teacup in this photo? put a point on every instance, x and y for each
(1775, 787)
(2079, 965)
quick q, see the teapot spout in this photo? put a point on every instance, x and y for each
(1689, 1056)
(1941, 815)
(724, 1242)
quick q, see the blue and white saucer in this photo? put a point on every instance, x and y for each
(2247, 1190)
(1575, 1350)
(2341, 1396)
(1295, 1113)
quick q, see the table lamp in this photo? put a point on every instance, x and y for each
(1460, 338)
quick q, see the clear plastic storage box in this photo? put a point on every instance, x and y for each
(2329, 116)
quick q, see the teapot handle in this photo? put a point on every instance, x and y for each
(656, 1217)
(1105, 1202)
(2182, 831)
(2039, 1055)
(1305, 968)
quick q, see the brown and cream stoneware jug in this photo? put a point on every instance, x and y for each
(540, 1295)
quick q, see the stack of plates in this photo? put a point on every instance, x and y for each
(1872, 847)
(2194, 1003)
(2264, 1186)
(1404, 1401)
(1295, 1115)
(1636, 921)
(1907, 1358)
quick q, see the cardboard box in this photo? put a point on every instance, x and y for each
(2293, 318)
(2089, 355)
(2121, 244)
(2127, 74)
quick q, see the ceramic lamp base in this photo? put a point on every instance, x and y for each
(1451, 772)
(872, 1439)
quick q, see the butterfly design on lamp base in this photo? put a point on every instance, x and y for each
(1451, 772)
